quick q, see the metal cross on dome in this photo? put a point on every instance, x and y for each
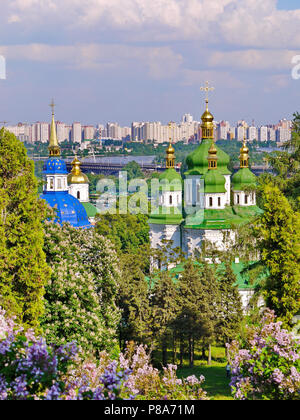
(207, 89)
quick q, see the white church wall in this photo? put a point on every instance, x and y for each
(244, 199)
(80, 191)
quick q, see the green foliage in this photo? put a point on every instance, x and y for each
(133, 170)
(128, 232)
(81, 294)
(23, 269)
(133, 300)
(231, 312)
(278, 240)
(286, 166)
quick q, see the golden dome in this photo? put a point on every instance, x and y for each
(170, 150)
(207, 117)
(244, 156)
(76, 176)
(207, 124)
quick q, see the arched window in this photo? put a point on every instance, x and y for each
(210, 201)
(246, 199)
(171, 200)
(219, 201)
(78, 195)
(59, 184)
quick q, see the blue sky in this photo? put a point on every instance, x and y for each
(288, 4)
(136, 60)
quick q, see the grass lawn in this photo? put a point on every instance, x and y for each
(216, 383)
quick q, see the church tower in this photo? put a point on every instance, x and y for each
(244, 181)
(67, 208)
(166, 218)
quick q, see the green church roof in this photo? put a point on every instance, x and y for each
(241, 270)
(170, 180)
(166, 216)
(90, 209)
(222, 219)
(243, 178)
(197, 161)
(214, 182)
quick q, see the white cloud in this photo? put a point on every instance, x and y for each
(252, 59)
(159, 62)
(249, 23)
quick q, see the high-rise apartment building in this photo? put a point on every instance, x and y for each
(76, 132)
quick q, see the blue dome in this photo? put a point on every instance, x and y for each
(55, 166)
(68, 209)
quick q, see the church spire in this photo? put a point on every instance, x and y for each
(54, 149)
(170, 153)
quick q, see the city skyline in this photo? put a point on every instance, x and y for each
(127, 61)
(188, 129)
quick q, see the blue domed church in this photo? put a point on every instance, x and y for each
(56, 189)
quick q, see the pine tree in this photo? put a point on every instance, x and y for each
(133, 300)
(198, 307)
(163, 311)
(231, 311)
(23, 269)
(278, 232)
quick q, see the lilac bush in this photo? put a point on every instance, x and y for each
(268, 364)
(32, 370)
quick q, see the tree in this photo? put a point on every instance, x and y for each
(133, 299)
(163, 312)
(23, 268)
(133, 170)
(198, 307)
(128, 232)
(278, 236)
(81, 294)
(231, 312)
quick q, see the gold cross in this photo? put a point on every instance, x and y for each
(52, 105)
(207, 89)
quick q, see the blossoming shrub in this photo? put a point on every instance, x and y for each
(268, 364)
(80, 295)
(32, 370)
(143, 381)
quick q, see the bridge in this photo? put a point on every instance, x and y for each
(115, 168)
(110, 168)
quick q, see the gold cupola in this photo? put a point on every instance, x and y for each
(76, 176)
(54, 149)
(170, 153)
(244, 156)
(207, 124)
(212, 157)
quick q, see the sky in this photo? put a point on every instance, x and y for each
(142, 60)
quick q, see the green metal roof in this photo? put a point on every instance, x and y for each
(166, 216)
(91, 210)
(221, 219)
(214, 182)
(241, 270)
(197, 161)
(243, 178)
